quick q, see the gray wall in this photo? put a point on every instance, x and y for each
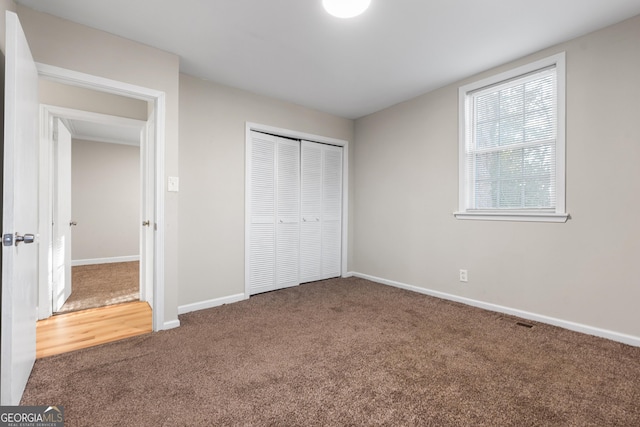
(583, 271)
(5, 5)
(212, 147)
(105, 200)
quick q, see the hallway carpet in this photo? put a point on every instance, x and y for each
(98, 285)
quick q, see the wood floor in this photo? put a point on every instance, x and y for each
(88, 328)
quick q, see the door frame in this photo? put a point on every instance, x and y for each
(158, 100)
(48, 113)
(288, 133)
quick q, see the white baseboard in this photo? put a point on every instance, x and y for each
(170, 324)
(188, 308)
(130, 258)
(578, 327)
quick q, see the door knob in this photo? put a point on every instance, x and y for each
(72, 223)
(146, 223)
(8, 239)
(27, 238)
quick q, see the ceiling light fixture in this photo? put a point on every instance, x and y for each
(345, 8)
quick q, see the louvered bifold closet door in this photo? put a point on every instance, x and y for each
(331, 211)
(321, 212)
(295, 212)
(262, 214)
(274, 232)
(311, 212)
(288, 213)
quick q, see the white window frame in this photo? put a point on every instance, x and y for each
(558, 214)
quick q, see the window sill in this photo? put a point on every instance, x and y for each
(513, 216)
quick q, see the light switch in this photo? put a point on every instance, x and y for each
(174, 184)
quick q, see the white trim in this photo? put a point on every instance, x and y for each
(559, 215)
(170, 325)
(561, 143)
(45, 208)
(158, 98)
(512, 216)
(88, 116)
(88, 81)
(288, 133)
(566, 324)
(111, 260)
(345, 185)
(159, 250)
(216, 302)
(530, 67)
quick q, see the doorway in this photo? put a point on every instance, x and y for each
(152, 172)
(97, 210)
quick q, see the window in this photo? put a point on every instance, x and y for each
(512, 146)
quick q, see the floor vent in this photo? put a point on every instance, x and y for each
(516, 320)
(526, 325)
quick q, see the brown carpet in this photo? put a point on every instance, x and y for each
(98, 285)
(346, 352)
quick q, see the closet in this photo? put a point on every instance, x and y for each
(294, 212)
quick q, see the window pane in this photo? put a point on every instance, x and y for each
(538, 125)
(539, 109)
(487, 107)
(511, 164)
(539, 160)
(539, 93)
(511, 194)
(487, 134)
(538, 193)
(511, 130)
(486, 194)
(487, 166)
(511, 101)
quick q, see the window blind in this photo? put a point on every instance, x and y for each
(510, 148)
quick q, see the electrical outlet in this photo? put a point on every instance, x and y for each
(463, 276)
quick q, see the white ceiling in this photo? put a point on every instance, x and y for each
(292, 50)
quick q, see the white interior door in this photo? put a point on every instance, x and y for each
(321, 212)
(274, 215)
(19, 215)
(62, 222)
(311, 212)
(288, 213)
(261, 272)
(331, 211)
(147, 231)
